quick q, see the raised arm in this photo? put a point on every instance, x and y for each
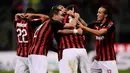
(82, 21)
(73, 21)
(19, 15)
(43, 17)
(71, 24)
(71, 31)
(96, 32)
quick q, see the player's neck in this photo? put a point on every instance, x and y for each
(56, 19)
(103, 21)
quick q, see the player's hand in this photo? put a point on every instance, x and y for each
(76, 15)
(28, 15)
(21, 15)
(80, 25)
(80, 31)
(70, 13)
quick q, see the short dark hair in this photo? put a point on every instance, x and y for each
(76, 9)
(54, 10)
(107, 11)
(30, 10)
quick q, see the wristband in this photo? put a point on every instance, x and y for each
(75, 31)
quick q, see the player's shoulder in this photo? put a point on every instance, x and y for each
(54, 21)
(111, 22)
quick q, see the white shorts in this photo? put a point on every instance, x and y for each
(104, 67)
(37, 63)
(21, 65)
(72, 59)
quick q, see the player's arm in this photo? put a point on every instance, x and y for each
(82, 22)
(96, 32)
(73, 22)
(91, 25)
(19, 15)
(59, 29)
(42, 17)
(71, 31)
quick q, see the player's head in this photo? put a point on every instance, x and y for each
(72, 9)
(56, 14)
(61, 7)
(30, 10)
(104, 13)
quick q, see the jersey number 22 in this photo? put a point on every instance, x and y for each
(22, 33)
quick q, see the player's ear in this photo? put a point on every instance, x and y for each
(54, 15)
(106, 15)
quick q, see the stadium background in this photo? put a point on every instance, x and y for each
(88, 8)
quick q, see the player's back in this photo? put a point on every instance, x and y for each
(24, 34)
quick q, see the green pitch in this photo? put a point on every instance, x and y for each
(6, 71)
(120, 71)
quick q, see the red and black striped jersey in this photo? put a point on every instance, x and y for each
(43, 36)
(24, 32)
(71, 40)
(105, 43)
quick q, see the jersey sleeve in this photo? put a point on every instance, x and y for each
(110, 26)
(35, 22)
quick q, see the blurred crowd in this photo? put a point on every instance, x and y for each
(88, 10)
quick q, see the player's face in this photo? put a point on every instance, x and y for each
(70, 12)
(100, 14)
(62, 8)
(60, 16)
